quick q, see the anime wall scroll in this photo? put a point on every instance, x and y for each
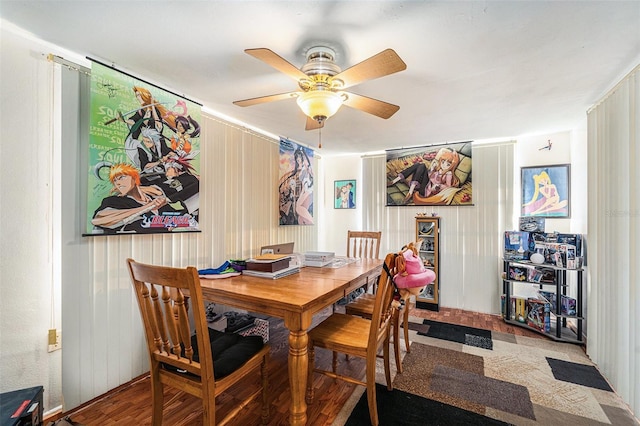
(437, 175)
(295, 188)
(144, 160)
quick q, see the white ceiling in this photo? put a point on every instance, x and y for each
(475, 69)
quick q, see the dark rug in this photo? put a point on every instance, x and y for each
(458, 333)
(401, 408)
(580, 374)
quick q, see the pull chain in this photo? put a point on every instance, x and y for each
(319, 137)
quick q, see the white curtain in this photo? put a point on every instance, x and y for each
(470, 236)
(614, 237)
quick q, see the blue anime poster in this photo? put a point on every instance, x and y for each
(144, 165)
(345, 191)
(546, 191)
(295, 187)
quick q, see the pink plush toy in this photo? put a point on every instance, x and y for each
(411, 277)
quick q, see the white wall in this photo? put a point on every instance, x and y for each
(29, 299)
(338, 221)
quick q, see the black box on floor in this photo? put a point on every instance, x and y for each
(22, 407)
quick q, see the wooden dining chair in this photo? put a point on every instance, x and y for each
(368, 243)
(360, 337)
(204, 364)
(363, 305)
(363, 244)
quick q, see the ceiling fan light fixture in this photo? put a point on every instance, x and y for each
(320, 104)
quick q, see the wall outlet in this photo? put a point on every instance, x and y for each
(55, 340)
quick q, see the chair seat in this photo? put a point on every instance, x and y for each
(230, 351)
(342, 333)
(363, 307)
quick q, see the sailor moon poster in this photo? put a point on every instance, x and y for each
(144, 161)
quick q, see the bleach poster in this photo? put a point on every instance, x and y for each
(144, 162)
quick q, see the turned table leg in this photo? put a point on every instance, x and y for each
(298, 365)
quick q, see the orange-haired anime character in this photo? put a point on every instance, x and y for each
(132, 205)
(150, 114)
(441, 174)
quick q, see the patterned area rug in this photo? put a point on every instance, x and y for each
(473, 376)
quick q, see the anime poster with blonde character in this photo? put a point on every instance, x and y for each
(435, 175)
(295, 187)
(144, 162)
(546, 191)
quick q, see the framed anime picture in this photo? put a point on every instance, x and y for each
(345, 194)
(546, 191)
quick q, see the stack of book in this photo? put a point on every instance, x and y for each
(270, 266)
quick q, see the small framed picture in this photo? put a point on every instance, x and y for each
(345, 194)
(546, 191)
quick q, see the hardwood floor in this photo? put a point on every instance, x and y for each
(130, 404)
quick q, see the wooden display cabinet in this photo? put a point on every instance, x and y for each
(428, 233)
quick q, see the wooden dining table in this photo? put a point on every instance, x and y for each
(294, 298)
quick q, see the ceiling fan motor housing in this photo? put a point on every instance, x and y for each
(320, 67)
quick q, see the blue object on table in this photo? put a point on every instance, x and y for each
(216, 271)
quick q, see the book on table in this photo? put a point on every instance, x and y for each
(269, 263)
(272, 275)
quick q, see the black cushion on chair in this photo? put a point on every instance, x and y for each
(229, 350)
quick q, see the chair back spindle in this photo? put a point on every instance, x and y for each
(363, 244)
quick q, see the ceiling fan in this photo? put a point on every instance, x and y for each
(321, 83)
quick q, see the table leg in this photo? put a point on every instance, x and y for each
(298, 364)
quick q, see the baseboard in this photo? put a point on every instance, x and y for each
(58, 413)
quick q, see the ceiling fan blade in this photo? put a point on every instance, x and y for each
(384, 63)
(276, 61)
(313, 124)
(372, 106)
(263, 99)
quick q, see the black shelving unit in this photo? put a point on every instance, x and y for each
(559, 326)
